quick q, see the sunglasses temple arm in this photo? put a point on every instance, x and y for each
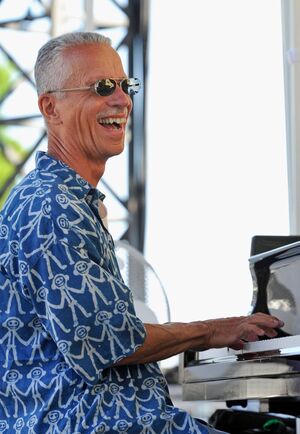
(72, 89)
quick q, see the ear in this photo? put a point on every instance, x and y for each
(49, 109)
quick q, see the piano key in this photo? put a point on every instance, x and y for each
(272, 344)
(264, 345)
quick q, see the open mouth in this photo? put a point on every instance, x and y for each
(112, 123)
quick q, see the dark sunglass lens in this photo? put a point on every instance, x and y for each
(131, 86)
(105, 87)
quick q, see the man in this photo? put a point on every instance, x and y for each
(74, 357)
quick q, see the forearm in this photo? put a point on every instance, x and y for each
(166, 340)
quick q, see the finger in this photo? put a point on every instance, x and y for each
(268, 320)
(279, 321)
(251, 332)
(271, 333)
(237, 345)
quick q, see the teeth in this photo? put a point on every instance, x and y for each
(113, 120)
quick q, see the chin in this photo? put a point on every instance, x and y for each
(114, 151)
(118, 148)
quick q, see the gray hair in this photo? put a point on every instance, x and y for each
(49, 69)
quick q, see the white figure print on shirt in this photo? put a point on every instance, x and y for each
(32, 421)
(36, 386)
(11, 377)
(98, 391)
(129, 320)
(42, 296)
(118, 400)
(87, 347)
(18, 426)
(81, 409)
(64, 347)
(150, 385)
(3, 426)
(53, 418)
(122, 426)
(12, 324)
(59, 372)
(146, 420)
(90, 283)
(35, 341)
(14, 294)
(109, 331)
(60, 283)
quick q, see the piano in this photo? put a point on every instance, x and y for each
(268, 369)
(263, 369)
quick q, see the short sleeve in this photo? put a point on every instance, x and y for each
(88, 312)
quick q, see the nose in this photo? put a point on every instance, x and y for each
(119, 98)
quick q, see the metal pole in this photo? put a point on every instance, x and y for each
(89, 24)
(291, 52)
(138, 13)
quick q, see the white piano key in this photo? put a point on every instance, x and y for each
(219, 354)
(272, 344)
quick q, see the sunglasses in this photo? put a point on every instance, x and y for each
(107, 86)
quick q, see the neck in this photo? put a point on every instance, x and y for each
(86, 166)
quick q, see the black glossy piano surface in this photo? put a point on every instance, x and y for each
(276, 280)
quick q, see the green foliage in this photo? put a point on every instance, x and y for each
(7, 71)
(11, 152)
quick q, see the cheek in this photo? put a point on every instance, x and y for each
(83, 122)
(76, 112)
(129, 105)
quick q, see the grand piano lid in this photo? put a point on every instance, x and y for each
(287, 250)
(276, 285)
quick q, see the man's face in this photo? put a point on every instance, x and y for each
(81, 112)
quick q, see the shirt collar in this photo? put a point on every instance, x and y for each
(79, 186)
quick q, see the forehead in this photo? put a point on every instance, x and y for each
(93, 61)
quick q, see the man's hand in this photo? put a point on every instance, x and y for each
(233, 332)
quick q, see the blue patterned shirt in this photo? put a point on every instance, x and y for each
(66, 317)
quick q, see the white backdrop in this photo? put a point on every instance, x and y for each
(216, 148)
